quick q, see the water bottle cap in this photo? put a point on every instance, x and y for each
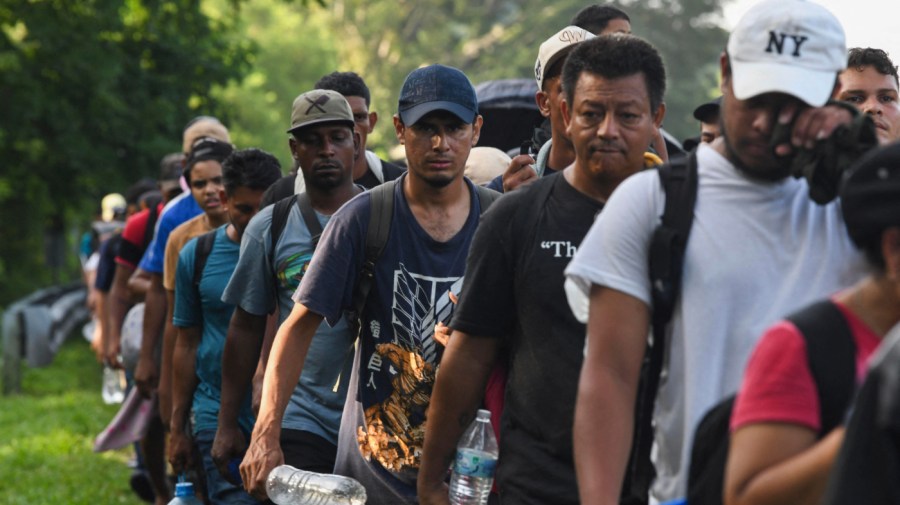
(483, 414)
(183, 489)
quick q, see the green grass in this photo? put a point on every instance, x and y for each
(47, 434)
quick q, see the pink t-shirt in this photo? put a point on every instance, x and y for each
(778, 385)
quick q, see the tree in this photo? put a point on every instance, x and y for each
(94, 94)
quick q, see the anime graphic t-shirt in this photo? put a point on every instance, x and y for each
(397, 356)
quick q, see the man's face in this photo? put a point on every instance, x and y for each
(206, 182)
(325, 154)
(611, 125)
(242, 205)
(363, 119)
(875, 94)
(550, 102)
(709, 131)
(747, 127)
(616, 26)
(437, 146)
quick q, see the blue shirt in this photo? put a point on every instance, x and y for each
(203, 306)
(179, 210)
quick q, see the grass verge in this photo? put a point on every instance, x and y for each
(47, 435)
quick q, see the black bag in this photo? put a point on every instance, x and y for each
(831, 354)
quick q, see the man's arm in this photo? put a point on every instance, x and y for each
(165, 368)
(118, 303)
(282, 373)
(779, 463)
(239, 360)
(139, 283)
(146, 374)
(457, 393)
(618, 326)
(184, 383)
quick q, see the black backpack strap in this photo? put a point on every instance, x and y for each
(201, 254)
(666, 259)
(486, 196)
(831, 351)
(309, 217)
(150, 229)
(280, 212)
(382, 209)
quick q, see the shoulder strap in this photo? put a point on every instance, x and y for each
(486, 197)
(280, 212)
(201, 254)
(309, 217)
(382, 208)
(831, 352)
(151, 226)
(666, 259)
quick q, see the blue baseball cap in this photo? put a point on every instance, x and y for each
(437, 87)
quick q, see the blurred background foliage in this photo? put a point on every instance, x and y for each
(94, 92)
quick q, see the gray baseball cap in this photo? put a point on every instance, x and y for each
(320, 106)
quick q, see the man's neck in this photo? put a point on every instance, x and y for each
(594, 187)
(328, 201)
(440, 211)
(216, 220)
(360, 165)
(562, 153)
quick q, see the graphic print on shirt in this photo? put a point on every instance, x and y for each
(396, 385)
(290, 271)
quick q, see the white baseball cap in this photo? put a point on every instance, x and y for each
(788, 46)
(556, 47)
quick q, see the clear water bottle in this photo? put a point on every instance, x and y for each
(113, 385)
(287, 485)
(476, 461)
(184, 495)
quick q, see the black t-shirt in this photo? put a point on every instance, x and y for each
(514, 291)
(389, 170)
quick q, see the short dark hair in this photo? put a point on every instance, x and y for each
(615, 56)
(250, 168)
(859, 57)
(594, 18)
(345, 83)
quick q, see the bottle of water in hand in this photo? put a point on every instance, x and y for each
(287, 485)
(113, 385)
(476, 460)
(184, 494)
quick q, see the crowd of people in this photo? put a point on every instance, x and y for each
(352, 316)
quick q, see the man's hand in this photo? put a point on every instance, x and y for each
(112, 354)
(519, 172)
(439, 495)
(262, 457)
(146, 376)
(179, 450)
(229, 444)
(811, 125)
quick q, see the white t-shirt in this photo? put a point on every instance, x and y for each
(757, 251)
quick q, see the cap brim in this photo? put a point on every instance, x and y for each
(412, 115)
(321, 121)
(812, 86)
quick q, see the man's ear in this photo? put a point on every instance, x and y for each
(373, 118)
(660, 115)
(357, 140)
(399, 128)
(724, 71)
(542, 99)
(566, 114)
(223, 197)
(292, 143)
(890, 250)
(476, 129)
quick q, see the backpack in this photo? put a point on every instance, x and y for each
(831, 354)
(666, 258)
(280, 214)
(382, 210)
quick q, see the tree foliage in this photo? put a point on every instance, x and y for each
(94, 93)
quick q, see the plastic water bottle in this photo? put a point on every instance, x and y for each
(113, 385)
(287, 485)
(184, 495)
(476, 461)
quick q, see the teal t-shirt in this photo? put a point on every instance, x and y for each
(203, 306)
